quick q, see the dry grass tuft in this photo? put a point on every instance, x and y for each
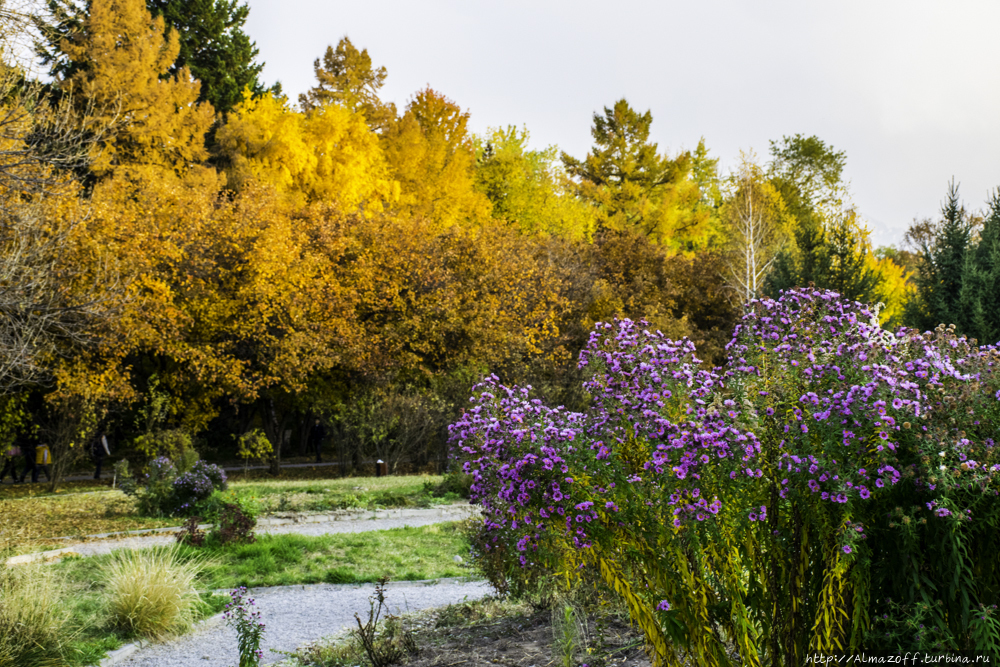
(151, 592)
(32, 618)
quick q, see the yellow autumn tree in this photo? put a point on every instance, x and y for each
(895, 287)
(328, 154)
(528, 189)
(233, 296)
(432, 156)
(115, 67)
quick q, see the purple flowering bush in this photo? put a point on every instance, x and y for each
(830, 473)
(196, 485)
(162, 492)
(215, 474)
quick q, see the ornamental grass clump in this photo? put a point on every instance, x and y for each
(151, 592)
(830, 473)
(33, 618)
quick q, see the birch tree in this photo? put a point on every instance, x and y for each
(757, 223)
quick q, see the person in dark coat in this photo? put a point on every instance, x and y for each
(316, 435)
(98, 450)
(28, 452)
(10, 463)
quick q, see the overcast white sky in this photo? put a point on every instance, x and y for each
(910, 89)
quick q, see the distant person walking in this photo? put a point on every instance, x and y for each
(38, 457)
(28, 452)
(10, 458)
(316, 435)
(98, 450)
(43, 457)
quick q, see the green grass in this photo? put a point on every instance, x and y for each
(319, 495)
(402, 554)
(71, 513)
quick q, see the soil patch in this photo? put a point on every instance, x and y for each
(493, 632)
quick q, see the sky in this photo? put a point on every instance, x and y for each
(909, 89)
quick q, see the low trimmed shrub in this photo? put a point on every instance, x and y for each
(454, 484)
(211, 508)
(151, 592)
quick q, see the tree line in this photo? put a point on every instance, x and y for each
(189, 256)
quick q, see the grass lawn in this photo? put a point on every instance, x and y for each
(408, 554)
(426, 552)
(318, 495)
(31, 518)
(32, 521)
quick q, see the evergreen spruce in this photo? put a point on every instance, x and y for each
(979, 301)
(214, 47)
(943, 263)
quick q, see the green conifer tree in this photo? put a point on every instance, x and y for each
(829, 244)
(214, 47)
(345, 76)
(979, 301)
(943, 261)
(633, 186)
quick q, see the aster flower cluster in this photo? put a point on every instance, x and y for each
(196, 485)
(850, 408)
(817, 405)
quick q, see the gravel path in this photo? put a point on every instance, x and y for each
(315, 524)
(295, 615)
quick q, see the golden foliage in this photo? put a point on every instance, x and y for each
(431, 155)
(328, 154)
(232, 289)
(528, 189)
(895, 289)
(120, 59)
(430, 301)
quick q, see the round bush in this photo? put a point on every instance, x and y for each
(190, 488)
(157, 497)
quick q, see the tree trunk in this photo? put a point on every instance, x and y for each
(274, 429)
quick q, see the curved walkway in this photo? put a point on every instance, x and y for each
(296, 615)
